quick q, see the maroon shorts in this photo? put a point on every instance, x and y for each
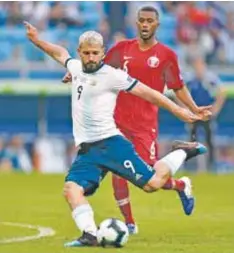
(145, 145)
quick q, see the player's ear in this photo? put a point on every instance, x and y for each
(78, 50)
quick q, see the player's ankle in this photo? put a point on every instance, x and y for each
(130, 221)
(179, 185)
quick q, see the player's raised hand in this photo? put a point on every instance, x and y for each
(67, 78)
(32, 32)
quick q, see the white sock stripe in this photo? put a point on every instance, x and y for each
(123, 202)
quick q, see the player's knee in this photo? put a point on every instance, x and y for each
(72, 190)
(152, 185)
(148, 188)
(156, 182)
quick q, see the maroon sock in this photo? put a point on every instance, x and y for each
(121, 194)
(174, 184)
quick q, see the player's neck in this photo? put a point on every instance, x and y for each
(147, 44)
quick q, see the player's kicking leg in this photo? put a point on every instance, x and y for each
(181, 151)
(170, 164)
(186, 195)
(134, 169)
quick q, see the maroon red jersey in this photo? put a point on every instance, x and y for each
(156, 67)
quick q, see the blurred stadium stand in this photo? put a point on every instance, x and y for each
(204, 28)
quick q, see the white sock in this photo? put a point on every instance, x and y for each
(174, 160)
(84, 218)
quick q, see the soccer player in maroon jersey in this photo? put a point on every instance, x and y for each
(156, 65)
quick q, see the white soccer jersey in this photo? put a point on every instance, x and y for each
(93, 100)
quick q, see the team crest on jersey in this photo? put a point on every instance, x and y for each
(88, 81)
(153, 61)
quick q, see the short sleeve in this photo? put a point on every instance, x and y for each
(173, 77)
(122, 81)
(73, 66)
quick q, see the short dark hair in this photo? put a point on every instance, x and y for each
(149, 8)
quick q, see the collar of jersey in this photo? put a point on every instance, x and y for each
(90, 72)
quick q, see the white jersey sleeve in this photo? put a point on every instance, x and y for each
(73, 66)
(122, 81)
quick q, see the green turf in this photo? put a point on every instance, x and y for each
(9, 232)
(38, 200)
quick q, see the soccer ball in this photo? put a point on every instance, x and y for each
(112, 232)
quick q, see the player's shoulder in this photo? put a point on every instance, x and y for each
(112, 74)
(124, 43)
(166, 49)
(107, 69)
(73, 65)
(73, 61)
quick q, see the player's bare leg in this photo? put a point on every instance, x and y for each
(121, 193)
(170, 164)
(83, 215)
(186, 196)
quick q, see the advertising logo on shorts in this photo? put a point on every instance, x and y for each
(153, 62)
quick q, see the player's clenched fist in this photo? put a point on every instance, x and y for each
(32, 32)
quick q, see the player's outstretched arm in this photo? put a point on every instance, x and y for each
(160, 100)
(57, 52)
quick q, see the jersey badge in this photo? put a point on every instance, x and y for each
(153, 62)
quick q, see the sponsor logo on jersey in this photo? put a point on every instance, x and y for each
(153, 61)
(127, 57)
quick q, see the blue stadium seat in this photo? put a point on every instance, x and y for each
(32, 53)
(91, 19)
(6, 50)
(168, 21)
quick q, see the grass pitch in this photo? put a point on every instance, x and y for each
(37, 200)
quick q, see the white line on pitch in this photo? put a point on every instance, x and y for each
(42, 232)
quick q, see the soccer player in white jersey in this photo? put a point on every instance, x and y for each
(102, 147)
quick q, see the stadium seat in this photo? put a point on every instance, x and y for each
(6, 50)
